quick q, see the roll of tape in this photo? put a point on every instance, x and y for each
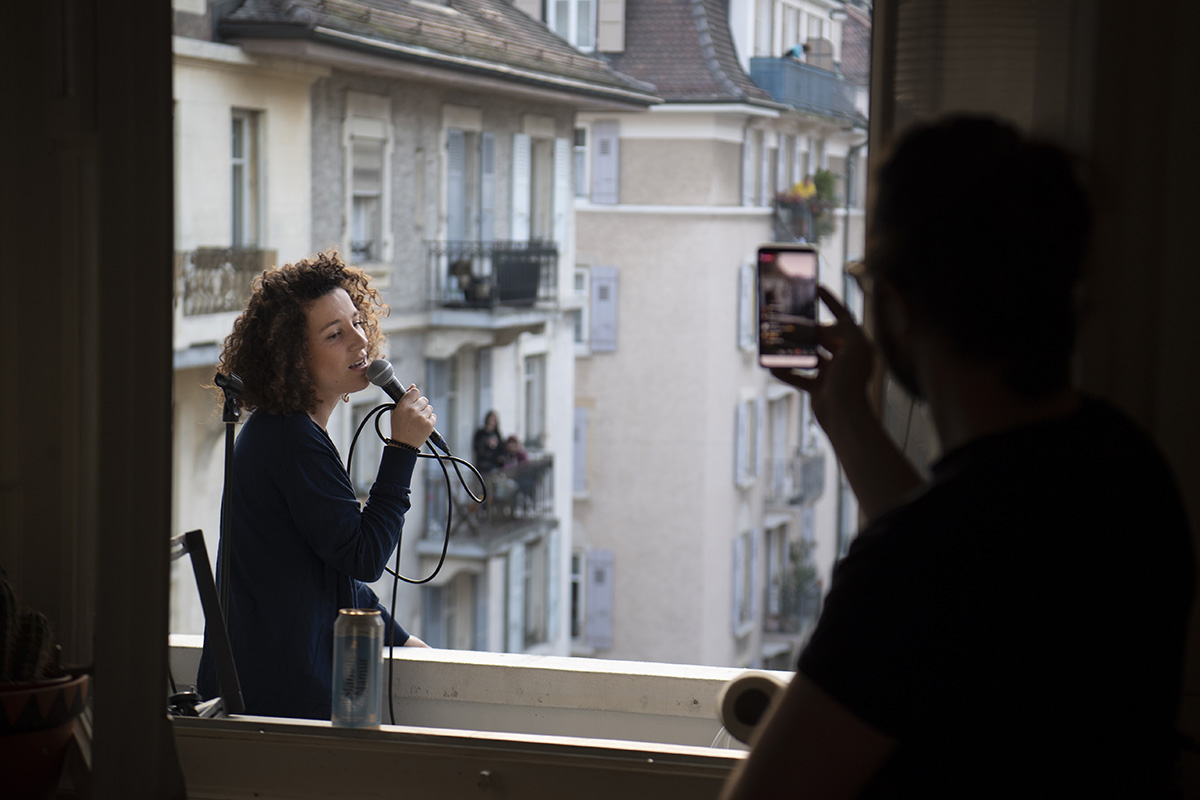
(745, 699)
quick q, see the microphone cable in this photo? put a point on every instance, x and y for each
(455, 461)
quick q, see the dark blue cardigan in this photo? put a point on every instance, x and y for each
(301, 548)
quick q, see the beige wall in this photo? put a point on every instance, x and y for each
(687, 173)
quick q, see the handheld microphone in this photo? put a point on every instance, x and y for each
(382, 375)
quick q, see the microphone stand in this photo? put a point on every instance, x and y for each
(232, 386)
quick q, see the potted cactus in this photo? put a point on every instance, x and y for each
(39, 701)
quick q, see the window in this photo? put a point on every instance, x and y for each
(598, 607)
(537, 579)
(605, 177)
(745, 589)
(368, 450)
(747, 308)
(582, 289)
(579, 164)
(448, 611)
(776, 562)
(441, 387)
(577, 595)
(244, 192)
(579, 481)
(541, 183)
(748, 440)
(535, 400)
(367, 142)
(574, 20)
(603, 331)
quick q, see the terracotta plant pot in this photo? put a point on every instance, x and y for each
(37, 721)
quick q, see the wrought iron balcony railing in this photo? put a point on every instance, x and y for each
(518, 496)
(798, 480)
(215, 280)
(806, 87)
(489, 275)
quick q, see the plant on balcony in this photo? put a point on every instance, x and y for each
(801, 594)
(39, 702)
(810, 205)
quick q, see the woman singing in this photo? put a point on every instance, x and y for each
(301, 547)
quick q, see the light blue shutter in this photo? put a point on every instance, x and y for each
(484, 370)
(554, 590)
(519, 224)
(606, 162)
(748, 168)
(739, 566)
(479, 590)
(579, 479)
(604, 309)
(516, 598)
(434, 632)
(487, 187)
(599, 624)
(456, 223)
(741, 444)
(760, 434)
(747, 322)
(563, 200)
(754, 588)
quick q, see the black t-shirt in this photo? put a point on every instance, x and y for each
(1019, 625)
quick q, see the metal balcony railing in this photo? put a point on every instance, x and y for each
(518, 496)
(215, 280)
(489, 275)
(798, 480)
(805, 87)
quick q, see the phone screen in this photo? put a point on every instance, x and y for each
(787, 306)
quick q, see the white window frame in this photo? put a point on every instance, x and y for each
(534, 380)
(583, 292)
(368, 118)
(245, 211)
(579, 27)
(581, 173)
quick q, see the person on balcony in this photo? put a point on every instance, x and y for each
(489, 444)
(1015, 626)
(300, 546)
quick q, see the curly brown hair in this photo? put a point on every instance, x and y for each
(268, 348)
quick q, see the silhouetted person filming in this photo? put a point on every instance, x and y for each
(1015, 626)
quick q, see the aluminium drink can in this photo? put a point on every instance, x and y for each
(357, 668)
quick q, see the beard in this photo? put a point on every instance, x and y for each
(898, 362)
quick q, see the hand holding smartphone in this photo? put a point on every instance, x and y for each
(787, 305)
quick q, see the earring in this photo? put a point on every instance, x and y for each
(346, 398)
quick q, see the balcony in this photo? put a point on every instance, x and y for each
(520, 498)
(806, 88)
(216, 280)
(797, 480)
(480, 724)
(212, 285)
(491, 275)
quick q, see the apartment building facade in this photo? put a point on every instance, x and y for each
(709, 508)
(432, 149)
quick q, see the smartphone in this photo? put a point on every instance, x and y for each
(787, 305)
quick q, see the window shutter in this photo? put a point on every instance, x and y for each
(480, 629)
(554, 584)
(563, 199)
(604, 309)
(456, 224)
(606, 164)
(739, 559)
(519, 223)
(516, 598)
(760, 434)
(579, 479)
(748, 168)
(484, 371)
(599, 623)
(434, 634)
(741, 444)
(782, 164)
(747, 302)
(754, 588)
(487, 187)
(764, 169)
